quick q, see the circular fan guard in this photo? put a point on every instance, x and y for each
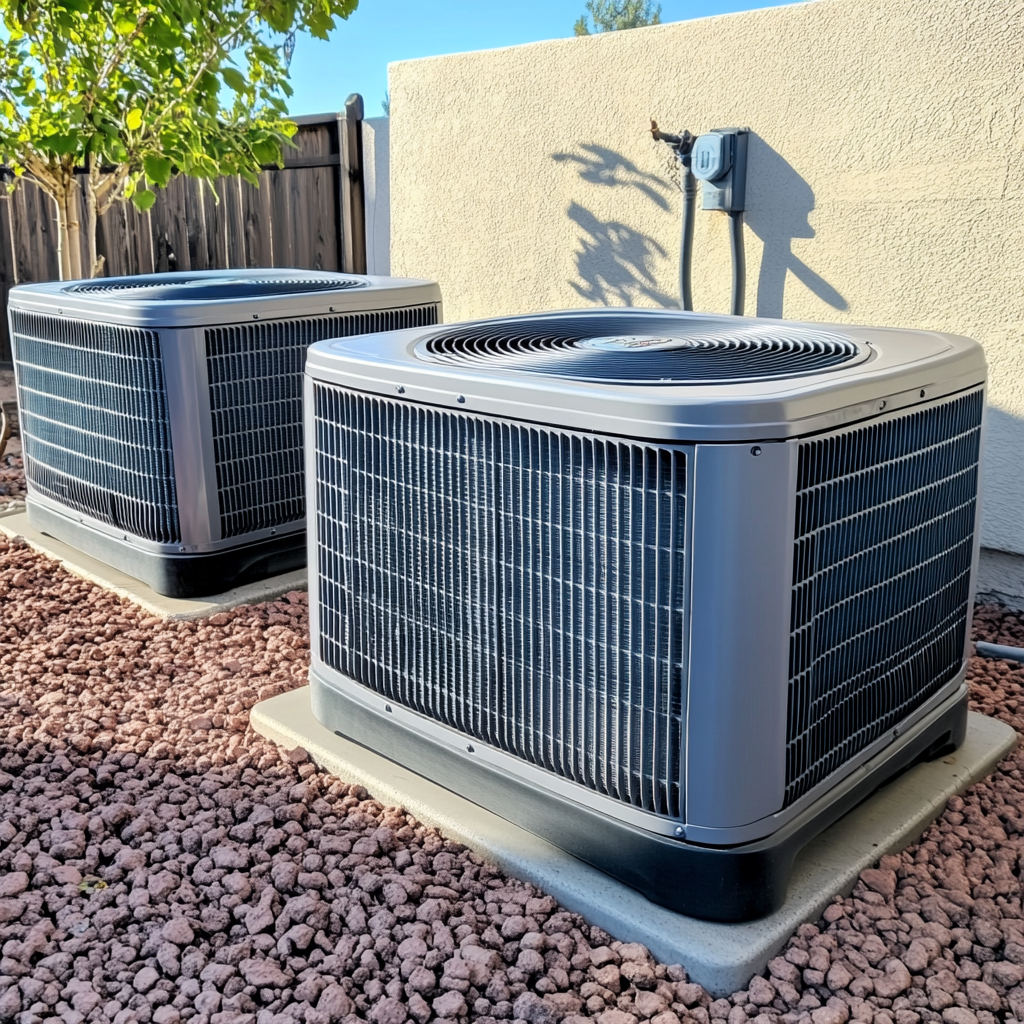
(180, 287)
(630, 349)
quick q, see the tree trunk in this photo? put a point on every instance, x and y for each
(63, 242)
(91, 216)
(74, 229)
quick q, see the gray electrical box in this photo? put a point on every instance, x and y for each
(719, 161)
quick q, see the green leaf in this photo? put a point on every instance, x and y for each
(124, 26)
(133, 122)
(267, 152)
(234, 79)
(158, 169)
(62, 145)
(143, 200)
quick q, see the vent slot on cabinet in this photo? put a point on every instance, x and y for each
(521, 585)
(884, 542)
(94, 421)
(255, 378)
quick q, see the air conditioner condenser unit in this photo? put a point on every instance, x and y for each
(672, 591)
(161, 415)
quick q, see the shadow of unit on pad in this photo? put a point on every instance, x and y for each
(615, 263)
(779, 202)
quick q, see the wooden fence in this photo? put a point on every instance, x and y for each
(309, 214)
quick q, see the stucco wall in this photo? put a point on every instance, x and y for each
(886, 178)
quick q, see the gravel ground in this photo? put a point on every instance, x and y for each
(12, 475)
(160, 862)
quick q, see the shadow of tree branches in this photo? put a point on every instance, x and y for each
(615, 262)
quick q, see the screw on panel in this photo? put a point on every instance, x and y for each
(273, 530)
(881, 405)
(469, 748)
(922, 392)
(387, 708)
(400, 389)
(756, 450)
(461, 398)
(679, 831)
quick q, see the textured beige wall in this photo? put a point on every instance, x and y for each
(886, 178)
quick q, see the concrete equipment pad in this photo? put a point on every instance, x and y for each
(722, 957)
(15, 524)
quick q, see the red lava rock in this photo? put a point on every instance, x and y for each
(263, 974)
(10, 1003)
(650, 1004)
(619, 1017)
(982, 997)
(688, 993)
(882, 882)
(532, 1008)
(14, 883)
(761, 992)
(453, 1004)
(146, 979)
(830, 1014)
(959, 1015)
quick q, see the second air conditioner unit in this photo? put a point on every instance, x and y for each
(673, 591)
(161, 415)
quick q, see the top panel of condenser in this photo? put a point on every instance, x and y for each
(197, 298)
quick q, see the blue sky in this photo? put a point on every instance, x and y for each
(381, 31)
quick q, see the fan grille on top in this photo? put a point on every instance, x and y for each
(176, 287)
(631, 349)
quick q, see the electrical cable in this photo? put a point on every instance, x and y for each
(739, 262)
(681, 145)
(986, 650)
(686, 242)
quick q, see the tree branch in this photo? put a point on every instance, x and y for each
(115, 57)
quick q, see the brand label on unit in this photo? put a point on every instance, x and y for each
(618, 343)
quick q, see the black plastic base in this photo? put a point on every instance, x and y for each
(737, 883)
(178, 575)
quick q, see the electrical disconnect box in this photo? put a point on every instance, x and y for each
(719, 161)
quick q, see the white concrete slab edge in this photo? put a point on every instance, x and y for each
(722, 957)
(15, 524)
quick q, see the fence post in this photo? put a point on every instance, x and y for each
(8, 273)
(353, 210)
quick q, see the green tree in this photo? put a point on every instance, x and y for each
(612, 15)
(131, 92)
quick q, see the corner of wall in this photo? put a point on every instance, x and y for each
(1001, 578)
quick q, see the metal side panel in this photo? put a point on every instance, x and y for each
(742, 563)
(309, 427)
(188, 401)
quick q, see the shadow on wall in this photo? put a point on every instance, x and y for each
(779, 202)
(614, 262)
